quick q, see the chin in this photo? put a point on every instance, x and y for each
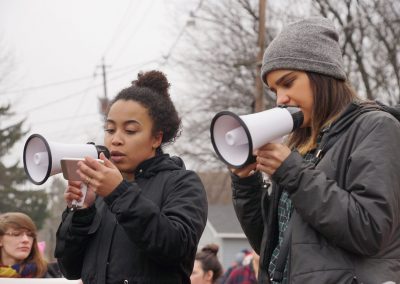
(20, 257)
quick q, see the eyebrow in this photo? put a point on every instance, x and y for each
(281, 79)
(125, 122)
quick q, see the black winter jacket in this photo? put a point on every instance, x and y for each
(346, 219)
(145, 231)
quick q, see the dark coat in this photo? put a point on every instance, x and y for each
(346, 219)
(145, 231)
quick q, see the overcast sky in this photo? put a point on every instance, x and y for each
(57, 48)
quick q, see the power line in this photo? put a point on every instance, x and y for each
(33, 88)
(119, 28)
(72, 95)
(129, 68)
(59, 83)
(67, 97)
(182, 31)
(140, 22)
(63, 82)
(80, 105)
(67, 118)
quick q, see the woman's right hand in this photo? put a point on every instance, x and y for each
(244, 172)
(74, 192)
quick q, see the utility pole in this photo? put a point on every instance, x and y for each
(104, 100)
(103, 67)
(259, 103)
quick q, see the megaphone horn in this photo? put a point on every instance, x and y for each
(234, 138)
(42, 158)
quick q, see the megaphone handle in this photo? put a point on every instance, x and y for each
(79, 204)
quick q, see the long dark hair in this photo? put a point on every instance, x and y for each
(330, 96)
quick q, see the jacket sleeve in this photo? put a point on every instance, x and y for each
(247, 198)
(168, 232)
(72, 235)
(362, 215)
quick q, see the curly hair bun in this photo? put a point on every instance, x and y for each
(211, 248)
(155, 80)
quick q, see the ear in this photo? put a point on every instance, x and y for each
(209, 275)
(157, 140)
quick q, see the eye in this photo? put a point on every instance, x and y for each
(288, 83)
(15, 233)
(130, 132)
(30, 234)
(109, 130)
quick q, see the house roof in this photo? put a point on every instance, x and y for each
(218, 186)
(223, 219)
(221, 215)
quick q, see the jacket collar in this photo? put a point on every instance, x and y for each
(158, 163)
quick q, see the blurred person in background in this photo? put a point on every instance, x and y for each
(207, 268)
(20, 256)
(246, 273)
(238, 262)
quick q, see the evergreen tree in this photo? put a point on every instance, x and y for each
(31, 202)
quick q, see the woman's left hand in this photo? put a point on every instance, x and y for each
(270, 157)
(101, 178)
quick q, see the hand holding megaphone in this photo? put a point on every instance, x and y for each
(235, 138)
(43, 158)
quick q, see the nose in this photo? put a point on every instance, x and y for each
(282, 98)
(116, 139)
(26, 237)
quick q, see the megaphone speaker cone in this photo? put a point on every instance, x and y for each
(42, 158)
(37, 159)
(234, 138)
(231, 139)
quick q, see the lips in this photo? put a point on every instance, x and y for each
(117, 156)
(24, 249)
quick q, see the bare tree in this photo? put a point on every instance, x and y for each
(370, 32)
(220, 54)
(6, 63)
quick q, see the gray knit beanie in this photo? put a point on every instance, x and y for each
(308, 45)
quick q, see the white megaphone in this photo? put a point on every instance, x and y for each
(234, 137)
(42, 158)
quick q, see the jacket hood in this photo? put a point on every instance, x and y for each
(159, 163)
(356, 109)
(349, 115)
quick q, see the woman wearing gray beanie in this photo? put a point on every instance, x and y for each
(332, 214)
